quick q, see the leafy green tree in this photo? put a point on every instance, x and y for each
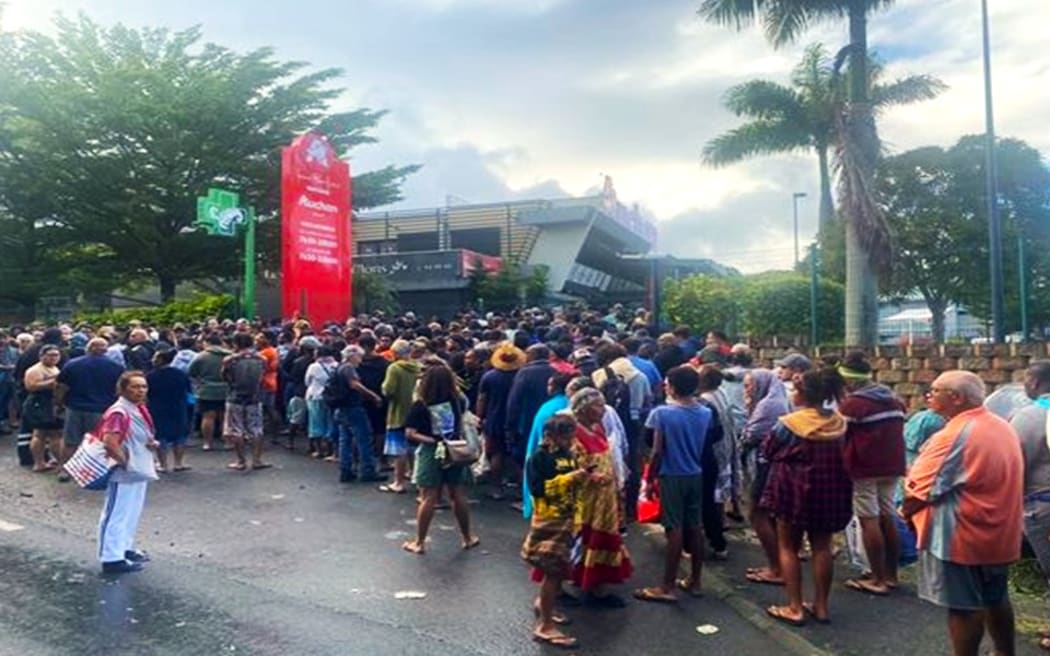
(703, 302)
(372, 292)
(803, 116)
(868, 239)
(109, 134)
(778, 304)
(934, 199)
(509, 286)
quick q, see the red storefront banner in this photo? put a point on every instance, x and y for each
(316, 268)
(469, 260)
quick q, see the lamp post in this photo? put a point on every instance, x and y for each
(995, 239)
(794, 201)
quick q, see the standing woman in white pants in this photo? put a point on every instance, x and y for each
(127, 431)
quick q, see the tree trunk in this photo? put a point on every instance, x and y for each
(827, 205)
(167, 288)
(937, 307)
(861, 281)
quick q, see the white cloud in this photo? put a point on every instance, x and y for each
(499, 98)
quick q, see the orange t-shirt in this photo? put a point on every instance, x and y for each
(269, 379)
(971, 472)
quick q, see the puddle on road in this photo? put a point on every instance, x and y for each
(106, 614)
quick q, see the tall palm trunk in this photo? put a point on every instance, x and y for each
(827, 205)
(861, 150)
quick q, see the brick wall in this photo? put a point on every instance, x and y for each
(909, 370)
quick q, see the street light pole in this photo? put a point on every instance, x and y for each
(995, 239)
(794, 201)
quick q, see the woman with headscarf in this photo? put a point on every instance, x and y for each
(603, 557)
(809, 490)
(766, 401)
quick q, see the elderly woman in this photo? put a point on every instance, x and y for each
(127, 432)
(766, 401)
(320, 422)
(39, 410)
(435, 416)
(603, 558)
(553, 480)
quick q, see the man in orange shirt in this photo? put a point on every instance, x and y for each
(264, 345)
(964, 494)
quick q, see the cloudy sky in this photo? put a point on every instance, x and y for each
(502, 99)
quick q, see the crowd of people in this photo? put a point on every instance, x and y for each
(586, 422)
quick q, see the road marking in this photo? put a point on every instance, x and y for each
(9, 527)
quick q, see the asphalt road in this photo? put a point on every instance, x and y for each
(288, 561)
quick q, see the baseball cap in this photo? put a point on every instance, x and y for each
(795, 361)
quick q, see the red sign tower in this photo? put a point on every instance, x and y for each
(316, 267)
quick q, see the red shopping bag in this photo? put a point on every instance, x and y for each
(648, 501)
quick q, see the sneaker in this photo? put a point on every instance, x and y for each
(348, 478)
(374, 478)
(120, 567)
(136, 556)
(720, 555)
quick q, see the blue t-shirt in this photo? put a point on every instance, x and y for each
(684, 431)
(92, 382)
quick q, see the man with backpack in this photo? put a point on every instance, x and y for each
(626, 390)
(344, 393)
(243, 372)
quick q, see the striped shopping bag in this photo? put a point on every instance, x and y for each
(90, 466)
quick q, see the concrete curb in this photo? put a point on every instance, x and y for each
(716, 586)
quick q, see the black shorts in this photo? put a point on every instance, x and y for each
(205, 405)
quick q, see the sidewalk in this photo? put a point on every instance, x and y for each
(861, 624)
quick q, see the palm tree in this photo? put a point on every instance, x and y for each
(857, 147)
(802, 116)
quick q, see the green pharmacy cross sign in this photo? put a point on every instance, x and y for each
(220, 214)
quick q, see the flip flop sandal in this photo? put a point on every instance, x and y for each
(755, 577)
(556, 617)
(859, 586)
(262, 465)
(807, 607)
(413, 548)
(237, 466)
(392, 490)
(652, 594)
(183, 468)
(561, 641)
(777, 613)
(684, 586)
(474, 542)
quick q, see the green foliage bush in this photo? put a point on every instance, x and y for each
(761, 305)
(199, 308)
(777, 303)
(703, 302)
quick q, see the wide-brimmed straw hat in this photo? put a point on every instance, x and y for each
(508, 357)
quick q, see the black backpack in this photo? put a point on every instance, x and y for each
(337, 392)
(617, 394)
(244, 373)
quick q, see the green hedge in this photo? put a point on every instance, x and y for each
(199, 308)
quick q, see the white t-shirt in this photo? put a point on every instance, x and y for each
(317, 375)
